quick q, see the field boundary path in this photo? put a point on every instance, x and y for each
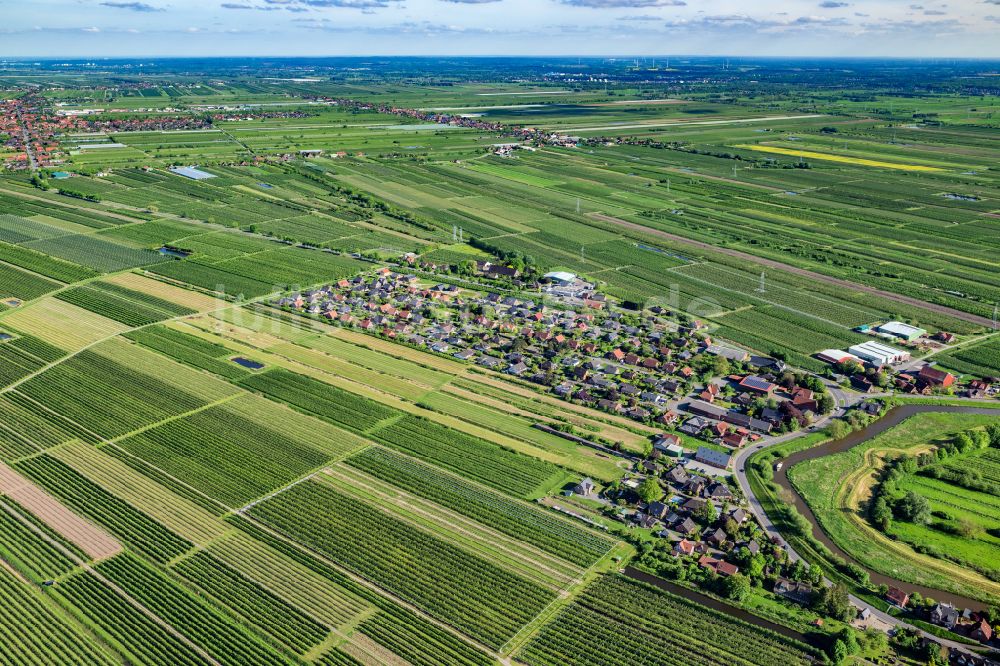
(803, 272)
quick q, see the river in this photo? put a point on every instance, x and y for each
(893, 418)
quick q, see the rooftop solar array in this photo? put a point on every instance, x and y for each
(757, 383)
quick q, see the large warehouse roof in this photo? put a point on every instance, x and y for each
(902, 330)
(561, 276)
(876, 352)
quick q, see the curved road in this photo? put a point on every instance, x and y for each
(844, 402)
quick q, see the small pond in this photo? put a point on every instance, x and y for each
(247, 363)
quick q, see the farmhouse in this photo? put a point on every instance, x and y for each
(897, 597)
(720, 567)
(494, 271)
(192, 172)
(931, 376)
(561, 278)
(585, 488)
(741, 420)
(665, 441)
(737, 355)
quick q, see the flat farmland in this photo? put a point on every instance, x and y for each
(91, 539)
(197, 467)
(593, 630)
(62, 324)
(496, 605)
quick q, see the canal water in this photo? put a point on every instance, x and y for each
(893, 418)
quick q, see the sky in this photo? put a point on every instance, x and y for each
(901, 28)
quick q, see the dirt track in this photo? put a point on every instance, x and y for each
(888, 295)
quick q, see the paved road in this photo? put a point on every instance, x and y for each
(844, 400)
(27, 140)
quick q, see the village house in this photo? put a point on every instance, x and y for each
(586, 488)
(684, 547)
(945, 615)
(797, 591)
(720, 567)
(694, 426)
(677, 475)
(897, 597)
(983, 632)
(712, 457)
(687, 526)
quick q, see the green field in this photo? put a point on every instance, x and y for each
(192, 472)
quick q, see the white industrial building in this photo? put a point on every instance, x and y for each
(561, 277)
(835, 356)
(901, 330)
(879, 354)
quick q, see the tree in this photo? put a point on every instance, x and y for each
(969, 529)
(834, 602)
(874, 641)
(914, 508)
(730, 526)
(707, 513)
(881, 514)
(737, 587)
(827, 403)
(850, 639)
(649, 490)
(755, 569)
(838, 429)
(839, 652)
(993, 430)
(720, 366)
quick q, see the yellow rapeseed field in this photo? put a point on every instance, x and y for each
(837, 158)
